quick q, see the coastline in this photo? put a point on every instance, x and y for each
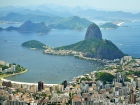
(119, 24)
(26, 83)
(70, 53)
(8, 75)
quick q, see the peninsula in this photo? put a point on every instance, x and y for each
(7, 69)
(92, 47)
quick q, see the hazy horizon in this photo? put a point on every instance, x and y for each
(107, 5)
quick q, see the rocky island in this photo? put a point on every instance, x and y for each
(34, 44)
(109, 25)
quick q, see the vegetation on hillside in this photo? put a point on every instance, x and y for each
(104, 76)
(137, 73)
(3, 67)
(109, 25)
(29, 26)
(34, 44)
(74, 23)
(18, 69)
(96, 48)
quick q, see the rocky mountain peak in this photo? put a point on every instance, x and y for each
(93, 31)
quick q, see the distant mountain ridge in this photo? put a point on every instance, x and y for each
(29, 26)
(63, 11)
(74, 23)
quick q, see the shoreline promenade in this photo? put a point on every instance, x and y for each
(27, 83)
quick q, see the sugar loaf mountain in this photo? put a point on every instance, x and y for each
(94, 46)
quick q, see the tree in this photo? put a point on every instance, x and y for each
(105, 77)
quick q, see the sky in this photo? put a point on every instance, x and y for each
(123, 5)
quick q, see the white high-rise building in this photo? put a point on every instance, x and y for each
(127, 58)
(7, 64)
(14, 67)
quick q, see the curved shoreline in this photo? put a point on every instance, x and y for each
(2, 79)
(8, 75)
(26, 83)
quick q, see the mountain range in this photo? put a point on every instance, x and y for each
(63, 11)
(73, 23)
(29, 26)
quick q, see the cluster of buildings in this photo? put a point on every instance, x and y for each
(9, 68)
(79, 91)
(67, 52)
(61, 52)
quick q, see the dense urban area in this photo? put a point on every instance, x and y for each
(117, 83)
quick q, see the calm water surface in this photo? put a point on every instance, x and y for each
(55, 69)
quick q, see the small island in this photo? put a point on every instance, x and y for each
(34, 44)
(109, 25)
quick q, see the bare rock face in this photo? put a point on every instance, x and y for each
(93, 31)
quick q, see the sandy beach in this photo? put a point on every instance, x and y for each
(119, 24)
(26, 83)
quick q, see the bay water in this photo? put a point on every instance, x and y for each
(56, 69)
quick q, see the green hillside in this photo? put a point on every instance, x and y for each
(34, 44)
(29, 26)
(95, 48)
(74, 23)
(109, 25)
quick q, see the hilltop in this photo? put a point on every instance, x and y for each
(93, 31)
